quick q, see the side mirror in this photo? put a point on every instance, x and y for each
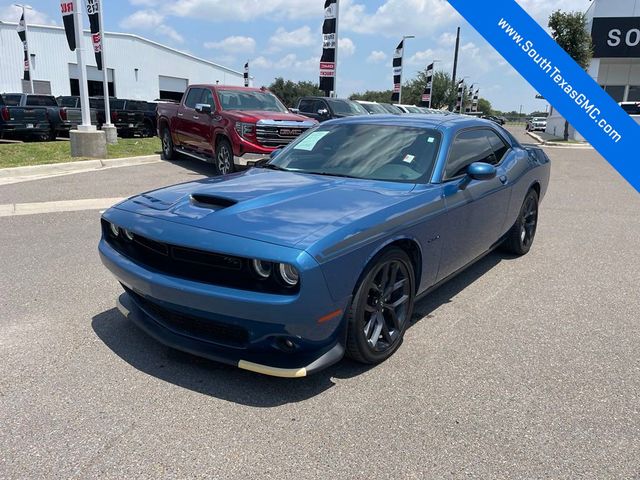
(203, 108)
(481, 171)
(275, 153)
(294, 110)
(323, 112)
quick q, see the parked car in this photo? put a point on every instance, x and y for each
(71, 113)
(633, 109)
(391, 108)
(408, 108)
(322, 249)
(536, 123)
(126, 115)
(20, 121)
(326, 108)
(373, 107)
(493, 118)
(231, 126)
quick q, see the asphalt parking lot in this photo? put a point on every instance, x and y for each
(517, 368)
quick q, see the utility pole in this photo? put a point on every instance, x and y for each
(404, 46)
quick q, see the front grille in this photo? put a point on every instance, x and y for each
(193, 326)
(193, 264)
(278, 136)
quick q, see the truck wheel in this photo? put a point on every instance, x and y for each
(224, 157)
(168, 151)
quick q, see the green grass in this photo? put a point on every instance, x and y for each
(40, 153)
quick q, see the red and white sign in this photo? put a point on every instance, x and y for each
(426, 98)
(396, 88)
(327, 69)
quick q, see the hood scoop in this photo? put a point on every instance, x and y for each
(212, 202)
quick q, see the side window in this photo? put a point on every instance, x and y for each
(322, 105)
(468, 147)
(207, 98)
(193, 97)
(497, 145)
(306, 106)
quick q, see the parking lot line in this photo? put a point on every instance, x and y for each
(15, 209)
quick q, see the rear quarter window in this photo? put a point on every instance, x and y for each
(11, 100)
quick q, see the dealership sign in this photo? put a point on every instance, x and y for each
(327, 69)
(616, 37)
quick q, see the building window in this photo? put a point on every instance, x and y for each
(616, 92)
(634, 93)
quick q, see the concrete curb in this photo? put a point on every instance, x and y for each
(547, 143)
(38, 172)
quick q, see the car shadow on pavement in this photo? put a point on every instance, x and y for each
(240, 386)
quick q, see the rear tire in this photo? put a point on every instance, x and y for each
(147, 129)
(168, 150)
(224, 157)
(381, 308)
(520, 238)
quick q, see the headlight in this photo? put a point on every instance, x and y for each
(289, 274)
(114, 229)
(245, 129)
(128, 234)
(263, 269)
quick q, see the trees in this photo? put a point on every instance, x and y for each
(383, 96)
(485, 107)
(569, 30)
(290, 92)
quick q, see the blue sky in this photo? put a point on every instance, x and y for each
(282, 38)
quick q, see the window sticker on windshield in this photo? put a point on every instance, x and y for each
(409, 159)
(431, 140)
(310, 141)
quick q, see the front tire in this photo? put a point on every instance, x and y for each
(224, 157)
(168, 151)
(381, 308)
(520, 238)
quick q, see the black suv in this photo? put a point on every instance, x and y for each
(325, 108)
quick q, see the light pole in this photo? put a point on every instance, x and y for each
(26, 36)
(404, 37)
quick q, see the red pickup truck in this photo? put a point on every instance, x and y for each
(230, 126)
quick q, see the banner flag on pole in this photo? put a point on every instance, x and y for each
(329, 47)
(459, 99)
(93, 7)
(558, 78)
(426, 95)
(246, 74)
(397, 72)
(66, 8)
(22, 33)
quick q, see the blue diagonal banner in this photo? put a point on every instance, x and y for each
(551, 71)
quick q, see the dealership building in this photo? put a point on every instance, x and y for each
(615, 30)
(137, 68)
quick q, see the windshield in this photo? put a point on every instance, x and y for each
(391, 108)
(136, 106)
(67, 102)
(373, 108)
(373, 152)
(12, 100)
(412, 109)
(243, 100)
(346, 107)
(631, 108)
(116, 104)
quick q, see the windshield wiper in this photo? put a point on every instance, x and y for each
(329, 174)
(270, 166)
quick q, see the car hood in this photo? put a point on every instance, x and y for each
(257, 115)
(282, 208)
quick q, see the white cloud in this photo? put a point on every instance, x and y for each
(346, 47)
(234, 44)
(12, 13)
(376, 56)
(151, 20)
(301, 37)
(422, 57)
(245, 10)
(289, 62)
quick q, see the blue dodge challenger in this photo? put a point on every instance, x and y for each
(321, 250)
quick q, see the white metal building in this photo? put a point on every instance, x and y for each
(138, 68)
(615, 29)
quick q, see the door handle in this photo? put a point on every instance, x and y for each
(180, 114)
(196, 117)
(503, 179)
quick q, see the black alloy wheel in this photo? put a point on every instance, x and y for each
(381, 309)
(520, 238)
(224, 157)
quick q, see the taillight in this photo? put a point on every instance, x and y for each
(5, 114)
(114, 117)
(246, 130)
(63, 114)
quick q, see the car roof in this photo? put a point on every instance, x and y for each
(229, 87)
(429, 120)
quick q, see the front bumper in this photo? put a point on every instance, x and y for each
(248, 159)
(159, 304)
